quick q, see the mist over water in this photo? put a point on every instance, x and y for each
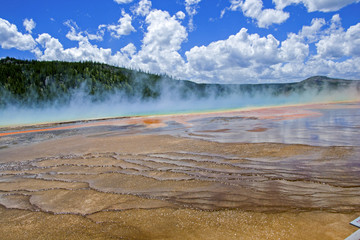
(81, 106)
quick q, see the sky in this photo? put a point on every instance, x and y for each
(211, 41)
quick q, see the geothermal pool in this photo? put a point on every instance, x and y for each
(288, 172)
(335, 124)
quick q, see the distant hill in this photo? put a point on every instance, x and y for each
(37, 82)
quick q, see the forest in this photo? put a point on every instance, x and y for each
(32, 82)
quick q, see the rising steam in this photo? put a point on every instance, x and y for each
(172, 97)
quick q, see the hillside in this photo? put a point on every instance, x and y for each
(33, 82)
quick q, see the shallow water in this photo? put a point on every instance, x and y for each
(335, 126)
(220, 175)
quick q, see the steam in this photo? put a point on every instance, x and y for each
(174, 98)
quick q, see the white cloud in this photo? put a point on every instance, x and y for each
(123, 1)
(316, 5)
(123, 28)
(161, 42)
(266, 17)
(254, 9)
(293, 49)
(180, 15)
(75, 35)
(54, 50)
(10, 37)
(246, 55)
(29, 25)
(313, 32)
(129, 49)
(222, 13)
(337, 51)
(241, 58)
(340, 43)
(322, 48)
(98, 36)
(335, 24)
(159, 51)
(163, 31)
(143, 8)
(191, 9)
(192, 2)
(271, 16)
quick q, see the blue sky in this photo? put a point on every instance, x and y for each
(218, 41)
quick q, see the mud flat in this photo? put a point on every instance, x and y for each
(236, 175)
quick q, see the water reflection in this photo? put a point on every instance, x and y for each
(336, 126)
(114, 177)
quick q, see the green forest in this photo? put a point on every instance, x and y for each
(48, 81)
(31, 82)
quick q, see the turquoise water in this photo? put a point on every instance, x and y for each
(84, 109)
(318, 125)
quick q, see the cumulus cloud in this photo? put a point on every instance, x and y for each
(240, 50)
(129, 49)
(163, 31)
(333, 43)
(191, 9)
(293, 49)
(246, 57)
(339, 43)
(85, 51)
(123, 28)
(52, 49)
(159, 51)
(241, 58)
(143, 8)
(337, 50)
(162, 41)
(254, 9)
(123, 1)
(29, 25)
(242, 55)
(313, 32)
(321, 48)
(10, 37)
(316, 5)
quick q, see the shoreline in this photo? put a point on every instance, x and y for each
(74, 124)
